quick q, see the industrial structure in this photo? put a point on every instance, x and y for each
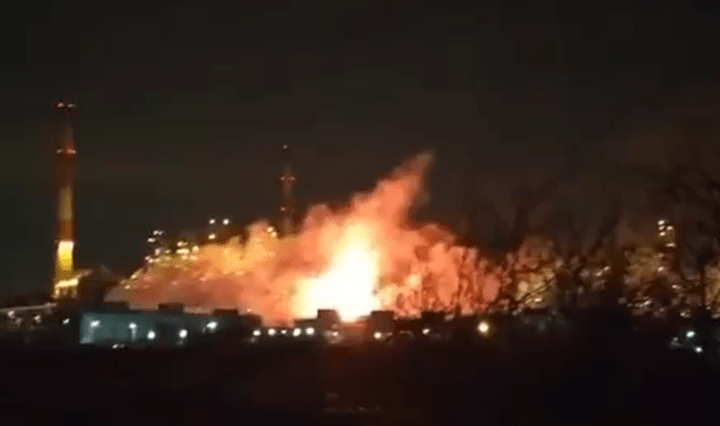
(65, 282)
(287, 208)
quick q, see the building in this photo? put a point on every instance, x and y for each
(164, 327)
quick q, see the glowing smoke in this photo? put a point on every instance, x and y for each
(363, 257)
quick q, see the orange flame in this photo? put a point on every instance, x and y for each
(355, 260)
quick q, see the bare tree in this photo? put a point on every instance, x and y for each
(579, 241)
(693, 190)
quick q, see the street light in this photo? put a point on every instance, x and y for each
(483, 328)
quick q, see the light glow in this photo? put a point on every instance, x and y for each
(64, 260)
(483, 327)
(348, 286)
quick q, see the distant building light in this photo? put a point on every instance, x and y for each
(66, 321)
(690, 334)
(309, 331)
(283, 331)
(256, 333)
(426, 331)
(11, 314)
(297, 332)
(132, 326)
(226, 221)
(151, 335)
(212, 236)
(183, 333)
(377, 335)
(271, 332)
(211, 221)
(661, 222)
(698, 349)
(212, 325)
(483, 327)
(95, 324)
(38, 318)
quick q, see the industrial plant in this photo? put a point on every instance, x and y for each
(342, 276)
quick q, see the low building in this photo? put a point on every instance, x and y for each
(152, 328)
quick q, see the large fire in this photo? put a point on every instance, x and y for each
(363, 257)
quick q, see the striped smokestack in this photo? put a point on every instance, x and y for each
(64, 285)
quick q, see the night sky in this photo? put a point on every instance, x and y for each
(183, 109)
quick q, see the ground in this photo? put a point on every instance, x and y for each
(452, 383)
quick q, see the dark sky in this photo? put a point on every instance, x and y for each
(183, 108)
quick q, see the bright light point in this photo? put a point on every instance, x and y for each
(483, 327)
(226, 221)
(661, 222)
(271, 332)
(212, 325)
(211, 221)
(690, 334)
(426, 331)
(297, 332)
(66, 321)
(377, 335)
(309, 331)
(283, 331)
(256, 333)
(151, 335)
(132, 326)
(212, 236)
(183, 333)
(95, 324)
(698, 349)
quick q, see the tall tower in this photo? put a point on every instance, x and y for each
(287, 180)
(64, 282)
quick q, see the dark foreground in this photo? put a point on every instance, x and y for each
(593, 383)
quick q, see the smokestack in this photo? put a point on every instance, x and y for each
(287, 180)
(65, 283)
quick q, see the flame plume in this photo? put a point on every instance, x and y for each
(363, 257)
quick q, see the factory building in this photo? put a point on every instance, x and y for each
(168, 326)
